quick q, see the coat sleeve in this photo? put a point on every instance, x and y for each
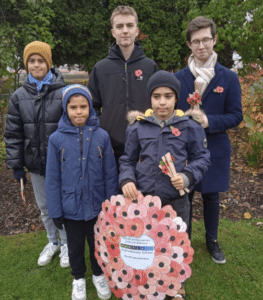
(232, 115)
(198, 158)
(53, 182)
(131, 155)
(110, 170)
(14, 135)
(93, 86)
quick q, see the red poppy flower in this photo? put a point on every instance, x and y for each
(169, 212)
(167, 222)
(165, 169)
(181, 239)
(103, 253)
(154, 274)
(117, 292)
(163, 249)
(139, 277)
(120, 282)
(147, 289)
(188, 253)
(118, 200)
(185, 273)
(137, 211)
(163, 284)
(116, 262)
(134, 227)
(147, 225)
(110, 281)
(177, 255)
(138, 73)
(106, 221)
(172, 157)
(126, 273)
(152, 213)
(106, 205)
(160, 234)
(113, 248)
(180, 224)
(219, 89)
(122, 211)
(151, 201)
(163, 262)
(174, 287)
(112, 213)
(175, 269)
(119, 226)
(112, 235)
(176, 132)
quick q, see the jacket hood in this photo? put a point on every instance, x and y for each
(137, 54)
(135, 115)
(57, 82)
(65, 122)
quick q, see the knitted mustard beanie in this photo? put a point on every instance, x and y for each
(163, 78)
(40, 48)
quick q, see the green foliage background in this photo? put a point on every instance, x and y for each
(79, 30)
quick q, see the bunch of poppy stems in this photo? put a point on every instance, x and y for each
(168, 168)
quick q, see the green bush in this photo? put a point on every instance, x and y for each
(252, 88)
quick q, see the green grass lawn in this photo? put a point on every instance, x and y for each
(240, 278)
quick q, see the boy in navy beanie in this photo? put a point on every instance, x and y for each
(81, 173)
(150, 136)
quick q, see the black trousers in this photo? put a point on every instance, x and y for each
(211, 214)
(77, 232)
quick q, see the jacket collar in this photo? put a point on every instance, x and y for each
(115, 53)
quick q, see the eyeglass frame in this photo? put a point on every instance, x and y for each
(201, 41)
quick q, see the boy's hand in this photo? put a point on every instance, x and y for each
(178, 182)
(130, 191)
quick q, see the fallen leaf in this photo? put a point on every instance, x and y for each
(247, 215)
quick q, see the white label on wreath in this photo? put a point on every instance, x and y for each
(137, 253)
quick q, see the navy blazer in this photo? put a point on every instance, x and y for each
(224, 111)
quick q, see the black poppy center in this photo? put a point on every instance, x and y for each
(136, 212)
(160, 234)
(134, 227)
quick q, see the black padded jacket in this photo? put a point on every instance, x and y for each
(31, 118)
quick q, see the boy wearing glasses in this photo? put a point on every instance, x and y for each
(220, 110)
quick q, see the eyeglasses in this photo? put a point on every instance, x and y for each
(205, 41)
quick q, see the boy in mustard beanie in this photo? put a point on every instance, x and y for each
(33, 114)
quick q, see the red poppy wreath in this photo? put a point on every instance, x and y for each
(143, 249)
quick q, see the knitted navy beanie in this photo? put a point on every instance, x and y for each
(164, 78)
(74, 89)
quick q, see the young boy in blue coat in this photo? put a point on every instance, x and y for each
(151, 137)
(81, 173)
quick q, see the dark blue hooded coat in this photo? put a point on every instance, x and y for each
(76, 186)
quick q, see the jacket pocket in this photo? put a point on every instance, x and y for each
(98, 196)
(69, 202)
(144, 169)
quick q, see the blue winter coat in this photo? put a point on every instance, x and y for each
(77, 186)
(146, 143)
(224, 111)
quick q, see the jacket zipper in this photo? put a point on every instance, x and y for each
(100, 156)
(62, 158)
(127, 87)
